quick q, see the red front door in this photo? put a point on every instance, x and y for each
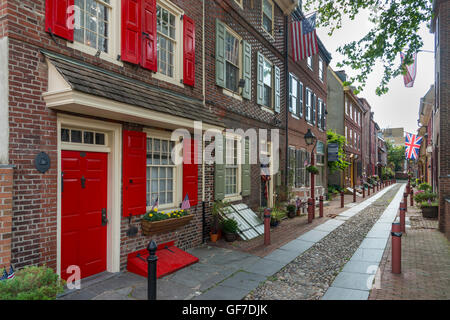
(83, 212)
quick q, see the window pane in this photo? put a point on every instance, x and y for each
(65, 135)
(232, 49)
(267, 8)
(88, 137)
(267, 24)
(232, 77)
(100, 138)
(76, 136)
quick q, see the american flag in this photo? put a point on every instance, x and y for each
(186, 204)
(155, 204)
(304, 38)
(412, 143)
(11, 274)
(411, 70)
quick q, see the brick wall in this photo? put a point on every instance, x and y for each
(242, 113)
(6, 186)
(33, 129)
(444, 110)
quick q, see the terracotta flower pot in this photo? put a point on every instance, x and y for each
(214, 237)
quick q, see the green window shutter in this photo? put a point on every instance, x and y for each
(246, 180)
(219, 173)
(247, 72)
(220, 53)
(277, 89)
(260, 80)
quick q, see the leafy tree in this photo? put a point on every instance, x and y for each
(395, 29)
(341, 164)
(396, 156)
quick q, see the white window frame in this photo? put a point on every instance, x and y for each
(114, 32)
(178, 171)
(178, 56)
(321, 69)
(227, 91)
(273, 17)
(308, 111)
(272, 70)
(238, 195)
(309, 62)
(321, 165)
(293, 78)
(240, 3)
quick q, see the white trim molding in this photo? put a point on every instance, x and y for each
(114, 150)
(4, 101)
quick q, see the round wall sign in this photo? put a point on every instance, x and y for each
(42, 162)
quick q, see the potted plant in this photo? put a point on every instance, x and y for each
(430, 209)
(230, 229)
(276, 217)
(291, 211)
(312, 169)
(215, 211)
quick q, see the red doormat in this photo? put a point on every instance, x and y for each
(170, 259)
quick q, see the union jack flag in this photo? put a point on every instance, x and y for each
(412, 143)
(304, 38)
(11, 274)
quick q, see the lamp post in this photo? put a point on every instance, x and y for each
(311, 139)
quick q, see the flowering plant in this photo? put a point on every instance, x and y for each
(156, 215)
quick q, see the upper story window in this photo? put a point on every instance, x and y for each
(309, 62)
(267, 15)
(346, 105)
(92, 24)
(167, 42)
(268, 84)
(296, 96)
(346, 135)
(320, 69)
(351, 111)
(309, 102)
(232, 60)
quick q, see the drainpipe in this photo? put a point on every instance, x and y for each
(286, 72)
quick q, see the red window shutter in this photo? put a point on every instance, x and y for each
(131, 31)
(190, 171)
(59, 18)
(134, 195)
(149, 38)
(188, 51)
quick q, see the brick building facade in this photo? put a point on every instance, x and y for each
(307, 101)
(102, 101)
(440, 26)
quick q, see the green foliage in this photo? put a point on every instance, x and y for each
(341, 164)
(230, 226)
(396, 156)
(312, 169)
(32, 283)
(387, 173)
(395, 26)
(425, 187)
(427, 204)
(425, 196)
(156, 215)
(277, 214)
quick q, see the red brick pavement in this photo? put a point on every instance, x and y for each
(425, 264)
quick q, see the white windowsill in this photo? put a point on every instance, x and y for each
(232, 94)
(267, 110)
(232, 198)
(162, 77)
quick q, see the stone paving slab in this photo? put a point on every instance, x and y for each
(223, 293)
(351, 280)
(297, 246)
(370, 243)
(377, 233)
(244, 280)
(265, 267)
(329, 226)
(363, 267)
(345, 294)
(313, 236)
(281, 255)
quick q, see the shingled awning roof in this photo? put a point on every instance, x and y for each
(93, 80)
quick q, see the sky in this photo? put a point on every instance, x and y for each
(400, 106)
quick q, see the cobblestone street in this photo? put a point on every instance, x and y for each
(310, 274)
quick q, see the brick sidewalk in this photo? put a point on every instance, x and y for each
(425, 264)
(289, 229)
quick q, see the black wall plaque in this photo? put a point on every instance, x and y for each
(42, 162)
